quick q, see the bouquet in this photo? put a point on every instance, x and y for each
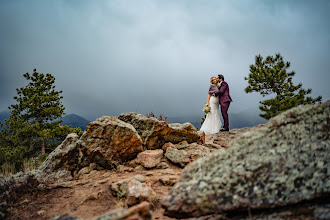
(207, 109)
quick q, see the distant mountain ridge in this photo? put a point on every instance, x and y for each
(72, 119)
(75, 121)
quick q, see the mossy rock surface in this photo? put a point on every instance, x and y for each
(283, 163)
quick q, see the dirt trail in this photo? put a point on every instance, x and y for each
(89, 194)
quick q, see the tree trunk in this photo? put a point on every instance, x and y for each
(43, 146)
(43, 151)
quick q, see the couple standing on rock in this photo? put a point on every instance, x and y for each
(218, 94)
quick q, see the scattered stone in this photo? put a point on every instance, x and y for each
(168, 181)
(139, 168)
(196, 151)
(141, 211)
(162, 165)
(137, 192)
(119, 188)
(165, 146)
(182, 145)
(150, 158)
(190, 153)
(93, 196)
(85, 170)
(123, 169)
(202, 137)
(94, 166)
(180, 157)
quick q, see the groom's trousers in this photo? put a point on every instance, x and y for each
(224, 112)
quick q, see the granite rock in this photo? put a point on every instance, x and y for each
(285, 162)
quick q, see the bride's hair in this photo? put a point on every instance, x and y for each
(212, 80)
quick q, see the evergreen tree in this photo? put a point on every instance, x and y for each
(16, 138)
(269, 76)
(39, 106)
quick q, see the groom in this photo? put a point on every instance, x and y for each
(224, 100)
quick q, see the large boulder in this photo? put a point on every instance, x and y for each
(63, 159)
(109, 141)
(283, 163)
(155, 133)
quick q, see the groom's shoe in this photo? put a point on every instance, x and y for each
(224, 129)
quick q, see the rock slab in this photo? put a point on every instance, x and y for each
(109, 141)
(283, 163)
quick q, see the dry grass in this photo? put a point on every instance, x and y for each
(28, 164)
(7, 169)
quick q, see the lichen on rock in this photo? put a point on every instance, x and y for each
(155, 133)
(285, 162)
(108, 141)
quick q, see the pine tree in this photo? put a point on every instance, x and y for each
(40, 105)
(16, 138)
(269, 76)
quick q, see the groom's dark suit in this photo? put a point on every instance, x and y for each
(224, 100)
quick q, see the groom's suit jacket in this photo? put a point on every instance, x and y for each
(223, 93)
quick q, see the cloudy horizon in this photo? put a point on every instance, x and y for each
(110, 57)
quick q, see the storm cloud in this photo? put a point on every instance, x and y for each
(110, 57)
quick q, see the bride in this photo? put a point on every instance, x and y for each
(212, 123)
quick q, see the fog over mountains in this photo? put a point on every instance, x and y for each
(247, 118)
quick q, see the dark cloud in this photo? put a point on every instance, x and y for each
(110, 57)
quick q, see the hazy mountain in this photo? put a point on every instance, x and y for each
(75, 121)
(246, 118)
(72, 119)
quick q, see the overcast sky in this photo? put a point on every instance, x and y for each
(110, 57)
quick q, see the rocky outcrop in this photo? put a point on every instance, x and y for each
(283, 163)
(155, 133)
(63, 159)
(109, 141)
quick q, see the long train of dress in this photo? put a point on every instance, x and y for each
(212, 123)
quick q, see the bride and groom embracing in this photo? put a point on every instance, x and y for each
(218, 94)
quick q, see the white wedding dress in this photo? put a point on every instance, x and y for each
(212, 123)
